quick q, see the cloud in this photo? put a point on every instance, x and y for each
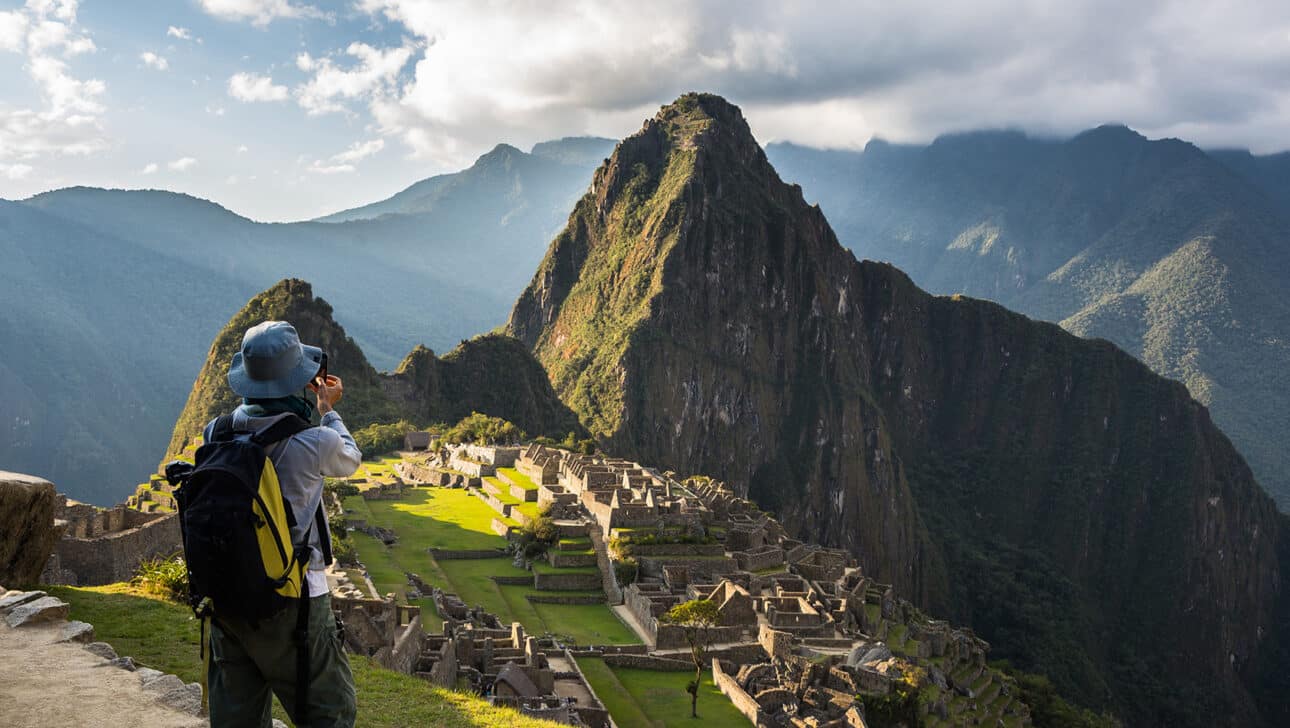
(360, 150)
(343, 162)
(375, 73)
(68, 119)
(180, 33)
(183, 164)
(907, 71)
(260, 12)
(254, 87)
(14, 171)
(241, 149)
(149, 168)
(152, 60)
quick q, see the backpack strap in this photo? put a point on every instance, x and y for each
(223, 429)
(281, 430)
(324, 534)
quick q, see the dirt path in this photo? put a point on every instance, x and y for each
(43, 683)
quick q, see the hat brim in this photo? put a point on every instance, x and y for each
(284, 386)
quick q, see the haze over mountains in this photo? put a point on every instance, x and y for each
(112, 297)
(1179, 256)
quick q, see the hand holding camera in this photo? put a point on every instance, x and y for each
(328, 387)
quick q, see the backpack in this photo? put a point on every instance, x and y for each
(236, 526)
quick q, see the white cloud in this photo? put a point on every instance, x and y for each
(343, 162)
(149, 168)
(907, 71)
(260, 12)
(14, 171)
(180, 33)
(254, 87)
(67, 122)
(360, 150)
(375, 73)
(183, 164)
(13, 30)
(322, 168)
(215, 109)
(242, 149)
(152, 60)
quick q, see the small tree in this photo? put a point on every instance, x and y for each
(697, 617)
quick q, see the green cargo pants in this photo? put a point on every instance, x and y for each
(247, 662)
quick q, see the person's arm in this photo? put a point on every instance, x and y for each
(338, 454)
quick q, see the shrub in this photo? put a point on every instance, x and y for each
(626, 571)
(482, 429)
(538, 535)
(378, 439)
(164, 577)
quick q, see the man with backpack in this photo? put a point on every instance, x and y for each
(272, 628)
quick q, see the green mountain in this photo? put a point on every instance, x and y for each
(492, 374)
(1178, 256)
(1079, 511)
(112, 297)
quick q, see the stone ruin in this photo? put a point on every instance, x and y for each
(106, 545)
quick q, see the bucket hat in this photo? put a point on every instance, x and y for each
(273, 363)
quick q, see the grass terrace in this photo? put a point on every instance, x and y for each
(652, 699)
(518, 478)
(163, 635)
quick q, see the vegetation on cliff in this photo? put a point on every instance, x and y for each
(1081, 512)
(492, 374)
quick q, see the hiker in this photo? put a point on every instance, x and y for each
(248, 659)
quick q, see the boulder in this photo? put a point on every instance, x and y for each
(185, 698)
(27, 530)
(15, 598)
(147, 675)
(162, 683)
(39, 611)
(77, 632)
(125, 663)
(102, 649)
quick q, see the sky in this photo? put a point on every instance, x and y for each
(290, 109)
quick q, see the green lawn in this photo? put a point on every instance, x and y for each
(528, 508)
(652, 699)
(518, 478)
(164, 636)
(454, 519)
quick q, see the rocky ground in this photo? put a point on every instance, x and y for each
(53, 674)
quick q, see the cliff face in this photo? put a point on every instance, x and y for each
(1081, 512)
(491, 374)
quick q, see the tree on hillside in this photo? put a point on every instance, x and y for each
(698, 617)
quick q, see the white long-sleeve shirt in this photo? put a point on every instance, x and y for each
(301, 463)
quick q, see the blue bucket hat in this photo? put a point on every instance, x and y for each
(273, 363)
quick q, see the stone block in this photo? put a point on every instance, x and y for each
(102, 649)
(27, 530)
(77, 632)
(15, 598)
(39, 611)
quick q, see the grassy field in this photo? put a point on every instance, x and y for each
(454, 519)
(652, 699)
(164, 636)
(518, 478)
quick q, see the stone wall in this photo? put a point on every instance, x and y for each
(649, 662)
(740, 697)
(608, 579)
(566, 582)
(671, 636)
(462, 554)
(115, 557)
(757, 560)
(696, 566)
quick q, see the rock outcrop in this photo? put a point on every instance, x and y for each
(27, 529)
(1083, 513)
(492, 374)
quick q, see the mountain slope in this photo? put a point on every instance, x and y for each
(1153, 245)
(493, 374)
(1081, 512)
(86, 370)
(181, 266)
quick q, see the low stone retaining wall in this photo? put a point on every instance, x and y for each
(565, 559)
(649, 662)
(524, 494)
(512, 580)
(608, 579)
(758, 560)
(746, 654)
(502, 528)
(671, 636)
(584, 581)
(450, 555)
(697, 566)
(566, 599)
(603, 650)
(677, 549)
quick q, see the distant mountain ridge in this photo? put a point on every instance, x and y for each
(1079, 511)
(82, 350)
(1179, 256)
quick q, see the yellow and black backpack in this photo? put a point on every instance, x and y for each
(236, 526)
